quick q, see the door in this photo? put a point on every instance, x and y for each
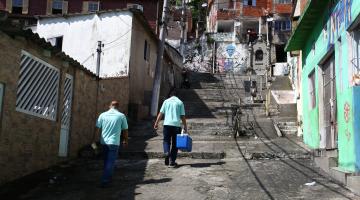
(329, 103)
(66, 116)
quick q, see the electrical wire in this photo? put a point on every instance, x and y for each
(118, 37)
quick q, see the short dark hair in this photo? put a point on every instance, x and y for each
(114, 104)
(172, 92)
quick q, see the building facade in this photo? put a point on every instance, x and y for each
(48, 104)
(129, 49)
(330, 50)
(151, 8)
(239, 23)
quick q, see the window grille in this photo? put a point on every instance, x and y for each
(38, 87)
(93, 6)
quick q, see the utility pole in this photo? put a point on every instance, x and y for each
(183, 26)
(158, 67)
(99, 51)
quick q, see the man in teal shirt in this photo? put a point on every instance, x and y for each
(173, 109)
(113, 124)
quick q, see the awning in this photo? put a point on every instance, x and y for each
(307, 22)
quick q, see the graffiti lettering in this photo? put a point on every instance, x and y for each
(340, 18)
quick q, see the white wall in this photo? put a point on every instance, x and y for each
(81, 35)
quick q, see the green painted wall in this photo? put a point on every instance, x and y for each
(337, 19)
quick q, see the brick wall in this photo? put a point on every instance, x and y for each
(256, 11)
(283, 8)
(38, 7)
(114, 89)
(227, 14)
(29, 143)
(84, 112)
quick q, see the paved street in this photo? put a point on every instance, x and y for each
(258, 165)
(197, 179)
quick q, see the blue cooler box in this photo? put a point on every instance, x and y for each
(184, 142)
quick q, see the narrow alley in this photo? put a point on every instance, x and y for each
(179, 99)
(257, 165)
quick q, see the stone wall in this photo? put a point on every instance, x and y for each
(29, 143)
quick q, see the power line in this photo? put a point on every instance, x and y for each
(118, 37)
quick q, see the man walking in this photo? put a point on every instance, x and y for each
(113, 125)
(173, 109)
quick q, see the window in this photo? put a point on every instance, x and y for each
(56, 42)
(94, 6)
(283, 25)
(135, 6)
(249, 3)
(354, 51)
(57, 7)
(283, 1)
(38, 87)
(259, 55)
(17, 6)
(146, 51)
(311, 82)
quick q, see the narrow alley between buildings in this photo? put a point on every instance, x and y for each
(256, 165)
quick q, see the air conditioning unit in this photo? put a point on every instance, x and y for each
(135, 6)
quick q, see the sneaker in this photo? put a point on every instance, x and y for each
(167, 160)
(173, 165)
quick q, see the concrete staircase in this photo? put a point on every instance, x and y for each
(287, 127)
(209, 116)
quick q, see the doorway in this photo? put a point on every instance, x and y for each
(66, 116)
(328, 122)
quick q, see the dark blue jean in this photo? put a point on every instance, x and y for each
(169, 141)
(110, 153)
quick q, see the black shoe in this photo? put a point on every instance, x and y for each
(173, 165)
(167, 160)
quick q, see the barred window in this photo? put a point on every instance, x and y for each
(38, 87)
(94, 6)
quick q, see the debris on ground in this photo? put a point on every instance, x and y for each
(310, 184)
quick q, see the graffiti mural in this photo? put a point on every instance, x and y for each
(231, 57)
(340, 19)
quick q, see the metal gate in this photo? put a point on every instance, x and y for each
(66, 116)
(329, 101)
